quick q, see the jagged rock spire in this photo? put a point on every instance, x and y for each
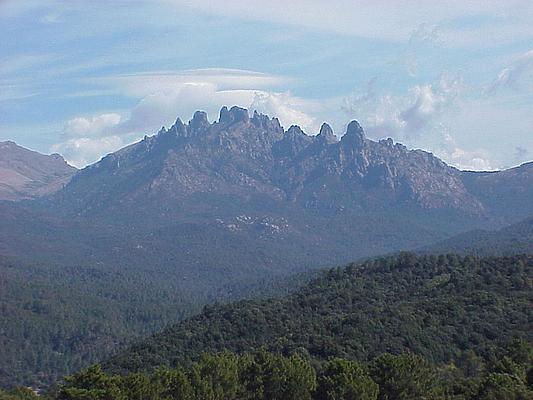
(354, 134)
(224, 115)
(233, 115)
(295, 130)
(326, 134)
(179, 128)
(199, 120)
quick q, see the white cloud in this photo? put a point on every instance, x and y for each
(462, 23)
(83, 151)
(429, 103)
(165, 96)
(286, 108)
(472, 160)
(404, 117)
(519, 74)
(498, 124)
(147, 83)
(389, 20)
(99, 125)
(162, 108)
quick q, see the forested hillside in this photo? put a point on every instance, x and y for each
(448, 309)
(55, 320)
(272, 376)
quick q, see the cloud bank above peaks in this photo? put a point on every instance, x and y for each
(404, 117)
(163, 96)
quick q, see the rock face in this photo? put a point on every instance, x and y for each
(239, 155)
(242, 198)
(25, 174)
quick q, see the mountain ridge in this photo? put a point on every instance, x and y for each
(513, 239)
(27, 174)
(256, 153)
(245, 179)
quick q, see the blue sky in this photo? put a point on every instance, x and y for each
(452, 77)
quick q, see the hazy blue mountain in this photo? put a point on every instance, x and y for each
(514, 239)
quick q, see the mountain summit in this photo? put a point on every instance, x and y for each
(242, 198)
(247, 155)
(26, 174)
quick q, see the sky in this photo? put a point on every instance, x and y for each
(85, 78)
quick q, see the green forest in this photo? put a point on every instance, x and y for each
(55, 320)
(397, 327)
(447, 309)
(271, 376)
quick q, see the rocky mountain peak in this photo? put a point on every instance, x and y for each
(265, 122)
(241, 154)
(199, 121)
(354, 135)
(179, 128)
(294, 131)
(233, 115)
(326, 134)
(26, 174)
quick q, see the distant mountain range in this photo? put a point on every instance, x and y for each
(246, 158)
(247, 176)
(242, 199)
(207, 211)
(26, 174)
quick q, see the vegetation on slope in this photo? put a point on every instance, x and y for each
(448, 309)
(270, 376)
(55, 320)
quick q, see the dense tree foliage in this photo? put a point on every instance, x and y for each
(55, 320)
(448, 309)
(271, 376)
(451, 310)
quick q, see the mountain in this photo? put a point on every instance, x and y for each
(508, 193)
(246, 178)
(246, 157)
(26, 174)
(439, 307)
(298, 200)
(514, 239)
(252, 158)
(207, 211)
